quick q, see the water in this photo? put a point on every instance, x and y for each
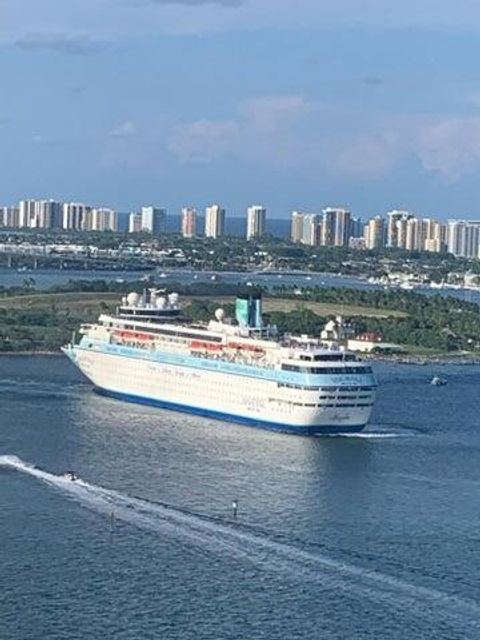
(46, 278)
(368, 536)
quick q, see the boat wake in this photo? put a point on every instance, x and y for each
(260, 548)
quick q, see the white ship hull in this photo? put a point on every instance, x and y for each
(331, 407)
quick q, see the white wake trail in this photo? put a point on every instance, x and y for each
(237, 541)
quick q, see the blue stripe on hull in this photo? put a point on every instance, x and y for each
(308, 430)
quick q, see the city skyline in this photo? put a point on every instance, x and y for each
(367, 109)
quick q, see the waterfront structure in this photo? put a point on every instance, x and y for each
(236, 371)
(134, 222)
(154, 220)
(189, 222)
(256, 221)
(214, 221)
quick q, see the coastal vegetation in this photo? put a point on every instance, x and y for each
(42, 321)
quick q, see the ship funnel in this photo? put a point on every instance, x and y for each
(248, 311)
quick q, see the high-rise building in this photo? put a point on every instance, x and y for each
(103, 219)
(134, 223)
(414, 237)
(47, 214)
(74, 215)
(296, 233)
(26, 213)
(154, 220)
(336, 227)
(256, 221)
(328, 227)
(397, 229)
(214, 221)
(9, 217)
(356, 227)
(312, 229)
(374, 233)
(463, 238)
(434, 234)
(189, 222)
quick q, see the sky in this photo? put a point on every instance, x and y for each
(294, 104)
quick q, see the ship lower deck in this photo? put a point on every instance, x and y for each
(305, 430)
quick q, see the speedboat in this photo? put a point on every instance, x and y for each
(437, 381)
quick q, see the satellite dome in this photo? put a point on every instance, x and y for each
(173, 299)
(132, 299)
(161, 302)
(220, 314)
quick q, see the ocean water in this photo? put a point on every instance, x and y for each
(368, 536)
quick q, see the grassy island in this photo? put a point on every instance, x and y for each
(39, 321)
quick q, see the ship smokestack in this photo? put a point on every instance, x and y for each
(248, 310)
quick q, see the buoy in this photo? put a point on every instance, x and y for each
(235, 508)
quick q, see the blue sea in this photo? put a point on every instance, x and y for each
(346, 538)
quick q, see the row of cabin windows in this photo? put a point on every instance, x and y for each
(321, 405)
(326, 370)
(167, 332)
(328, 357)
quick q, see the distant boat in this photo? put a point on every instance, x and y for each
(437, 381)
(162, 275)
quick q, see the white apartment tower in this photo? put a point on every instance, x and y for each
(189, 222)
(104, 220)
(26, 213)
(134, 223)
(154, 220)
(74, 215)
(47, 214)
(256, 221)
(296, 233)
(214, 221)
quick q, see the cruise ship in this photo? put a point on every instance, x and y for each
(236, 370)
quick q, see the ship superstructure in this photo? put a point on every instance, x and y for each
(236, 370)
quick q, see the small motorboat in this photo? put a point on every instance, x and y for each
(437, 381)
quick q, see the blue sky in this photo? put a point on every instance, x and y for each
(292, 103)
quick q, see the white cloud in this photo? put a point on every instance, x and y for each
(262, 129)
(60, 42)
(449, 146)
(203, 140)
(272, 113)
(124, 130)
